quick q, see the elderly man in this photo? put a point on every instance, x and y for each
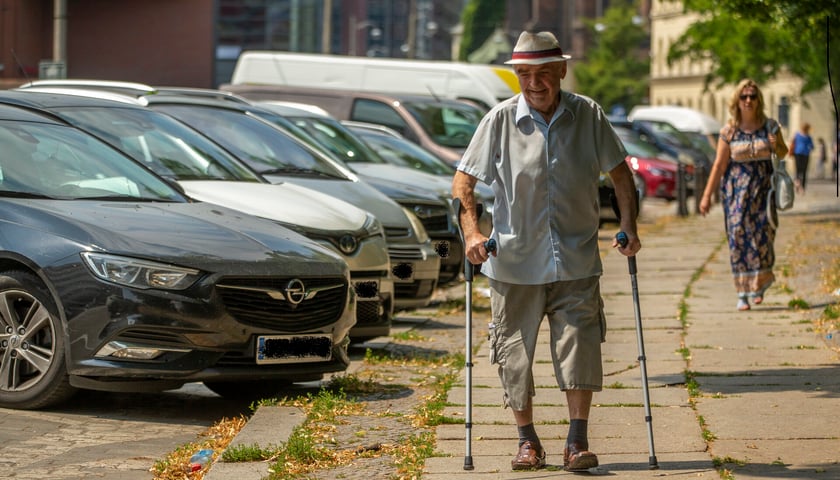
(542, 151)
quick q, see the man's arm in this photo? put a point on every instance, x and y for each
(626, 198)
(463, 189)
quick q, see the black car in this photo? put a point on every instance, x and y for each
(111, 279)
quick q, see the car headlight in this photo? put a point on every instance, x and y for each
(373, 227)
(417, 226)
(143, 274)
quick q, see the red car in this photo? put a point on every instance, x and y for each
(657, 168)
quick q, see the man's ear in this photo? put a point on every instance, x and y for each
(563, 69)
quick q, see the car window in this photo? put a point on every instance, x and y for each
(160, 142)
(372, 111)
(264, 148)
(65, 163)
(450, 125)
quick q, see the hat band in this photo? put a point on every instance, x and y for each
(554, 52)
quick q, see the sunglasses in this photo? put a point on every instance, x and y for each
(751, 96)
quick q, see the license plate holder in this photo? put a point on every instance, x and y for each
(304, 348)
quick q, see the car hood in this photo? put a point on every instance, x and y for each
(199, 235)
(283, 202)
(403, 175)
(359, 194)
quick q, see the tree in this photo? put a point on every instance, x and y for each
(760, 39)
(480, 19)
(617, 69)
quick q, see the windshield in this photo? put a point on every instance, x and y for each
(637, 147)
(668, 133)
(165, 145)
(338, 139)
(51, 161)
(405, 153)
(449, 124)
(264, 148)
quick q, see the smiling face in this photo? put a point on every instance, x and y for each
(540, 85)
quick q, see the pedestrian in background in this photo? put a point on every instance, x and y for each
(743, 170)
(800, 148)
(542, 151)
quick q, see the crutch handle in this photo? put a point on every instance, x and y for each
(490, 245)
(622, 240)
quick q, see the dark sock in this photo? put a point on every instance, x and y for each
(527, 433)
(577, 433)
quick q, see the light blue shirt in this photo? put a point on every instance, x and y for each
(545, 180)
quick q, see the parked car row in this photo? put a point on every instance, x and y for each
(236, 319)
(112, 278)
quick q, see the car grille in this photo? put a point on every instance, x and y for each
(263, 302)
(398, 253)
(368, 312)
(392, 233)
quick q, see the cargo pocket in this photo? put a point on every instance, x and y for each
(493, 338)
(602, 319)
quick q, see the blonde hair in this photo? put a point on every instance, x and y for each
(735, 112)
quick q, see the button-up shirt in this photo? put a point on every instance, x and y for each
(545, 180)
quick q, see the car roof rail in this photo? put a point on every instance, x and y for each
(202, 93)
(132, 88)
(89, 93)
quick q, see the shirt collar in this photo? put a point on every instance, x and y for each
(523, 110)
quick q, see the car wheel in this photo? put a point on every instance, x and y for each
(33, 373)
(247, 390)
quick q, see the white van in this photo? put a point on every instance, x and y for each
(484, 84)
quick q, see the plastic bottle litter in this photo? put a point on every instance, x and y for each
(833, 338)
(201, 459)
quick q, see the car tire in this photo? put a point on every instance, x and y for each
(33, 372)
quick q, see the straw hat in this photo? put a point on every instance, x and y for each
(536, 49)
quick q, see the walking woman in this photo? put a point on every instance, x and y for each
(742, 170)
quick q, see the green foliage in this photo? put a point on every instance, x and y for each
(480, 19)
(617, 68)
(761, 38)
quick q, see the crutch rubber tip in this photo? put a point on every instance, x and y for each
(468, 463)
(653, 464)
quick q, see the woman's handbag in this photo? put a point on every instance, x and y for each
(781, 185)
(782, 189)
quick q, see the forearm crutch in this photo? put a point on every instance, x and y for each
(469, 272)
(621, 239)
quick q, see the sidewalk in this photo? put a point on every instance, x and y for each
(767, 391)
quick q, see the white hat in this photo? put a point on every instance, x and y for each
(536, 49)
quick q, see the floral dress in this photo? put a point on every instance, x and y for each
(744, 188)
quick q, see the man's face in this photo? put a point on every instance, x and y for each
(540, 84)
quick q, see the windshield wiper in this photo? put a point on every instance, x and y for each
(13, 194)
(298, 171)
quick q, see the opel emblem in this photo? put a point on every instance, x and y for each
(347, 244)
(295, 291)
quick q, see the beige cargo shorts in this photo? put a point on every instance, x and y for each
(577, 327)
